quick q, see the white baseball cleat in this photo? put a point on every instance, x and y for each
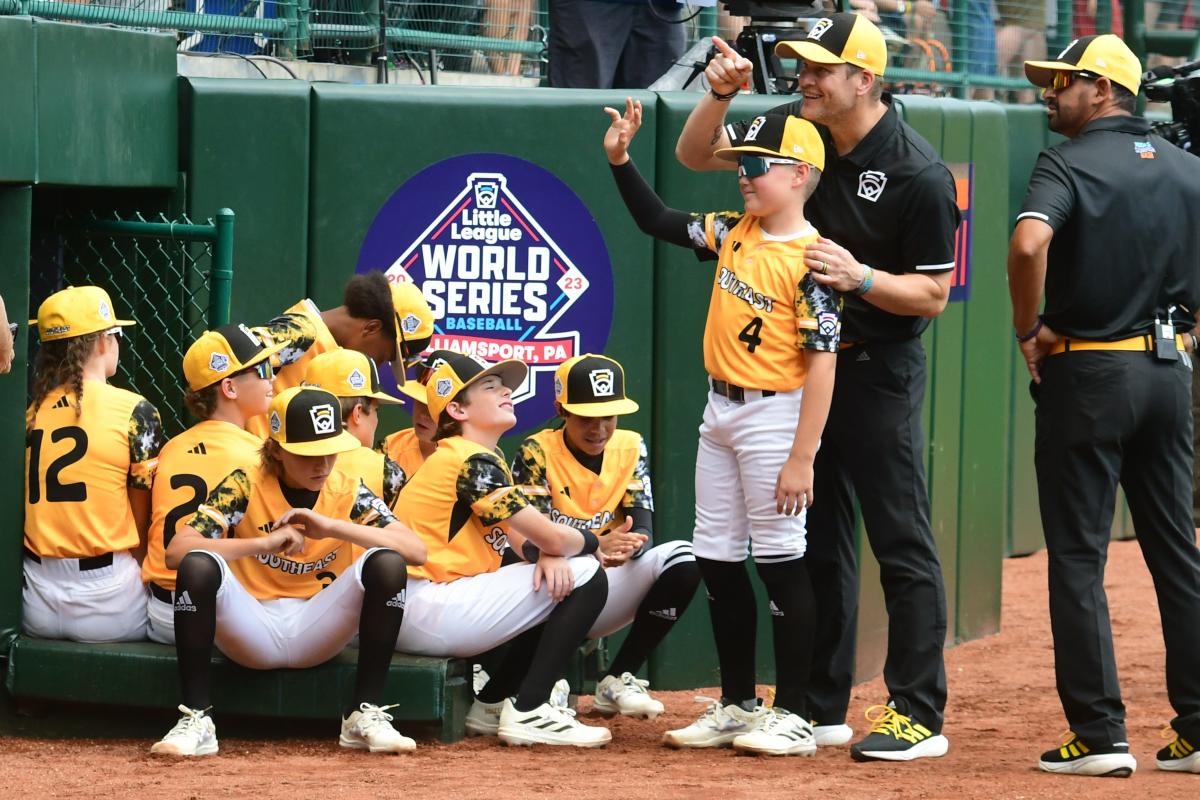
(626, 695)
(483, 719)
(832, 735)
(194, 734)
(370, 728)
(717, 727)
(783, 734)
(548, 724)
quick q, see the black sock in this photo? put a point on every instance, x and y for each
(384, 578)
(508, 664)
(793, 619)
(660, 609)
(196, 585)
(732, 608)
(565, 629)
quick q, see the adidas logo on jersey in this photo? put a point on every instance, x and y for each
(265, 527)
(184, 603)
(63, 402)
(775, 612)
(199, 450)
(397, 601)
(666, 613)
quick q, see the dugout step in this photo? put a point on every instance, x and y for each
(144, 675)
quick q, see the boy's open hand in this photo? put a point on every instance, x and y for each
(727, 71)
(621, 132)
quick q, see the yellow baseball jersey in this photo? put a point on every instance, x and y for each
(404, 448)
(248, 502)
(766, 310)
(381, 475)
(189, 467)
(78, 470)
(306, 336)
(571, 494)
(458, 504)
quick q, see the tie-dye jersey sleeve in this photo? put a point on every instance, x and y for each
(708, 231)
(295, 331)
(393, 481)
(638, 492)
(486, 485)
(529, 473)
(224, 507)
(146, 439)
(818, 316)
(369, 509)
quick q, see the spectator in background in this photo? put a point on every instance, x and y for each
(981, 43)
(506, 19)
(613, 44)
(1084, 16)
(6, 341)
(1021, 38)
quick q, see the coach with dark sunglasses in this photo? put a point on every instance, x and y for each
(1108, 231)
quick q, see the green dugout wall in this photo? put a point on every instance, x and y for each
(307, 166)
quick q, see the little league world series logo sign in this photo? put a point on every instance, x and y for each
(509, 259)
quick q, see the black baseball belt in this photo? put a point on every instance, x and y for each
(85, 564)
(733, 393)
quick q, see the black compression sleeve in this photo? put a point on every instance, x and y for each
(648, 209)
(643, 522)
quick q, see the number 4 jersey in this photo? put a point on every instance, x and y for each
(766, 309)
(189, 467)
(78, 470)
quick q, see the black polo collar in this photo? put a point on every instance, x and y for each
(1126, 123)
(883, 131)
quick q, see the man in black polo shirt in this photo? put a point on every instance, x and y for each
(1109, 229)
(888, 206)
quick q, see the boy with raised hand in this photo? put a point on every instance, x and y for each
(352, 378)
(228, 373)
(770, 345)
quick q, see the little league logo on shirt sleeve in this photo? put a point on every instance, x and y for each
(510, 260)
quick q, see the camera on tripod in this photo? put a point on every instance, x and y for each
(771, 23)
(1180, 86)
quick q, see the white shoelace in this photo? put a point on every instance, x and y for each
(373, 717)
(191, 723)
(635, 684)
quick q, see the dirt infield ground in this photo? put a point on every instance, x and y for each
(1002, 713)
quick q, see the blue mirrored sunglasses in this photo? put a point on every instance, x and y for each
(756, 166)
(262, 369)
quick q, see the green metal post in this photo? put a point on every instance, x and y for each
(958, 43)
(221, 281)
(1135, 37)
(708, 22)
(1064, 30)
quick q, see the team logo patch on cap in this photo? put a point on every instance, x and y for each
(870, 184)
(410, 323)
(444, 387)
(819, 30)
(105, 311)
(356, 380)
(827, 323)
(323, 418)
(558, 387)
(602, 382)
(218, 362)
(276, 423)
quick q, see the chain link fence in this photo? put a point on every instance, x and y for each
(172, 277)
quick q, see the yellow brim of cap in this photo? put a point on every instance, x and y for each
(414, 390)
(1041, 73)
(809, 51)
(611, 408)
(116, 323)
(385, 399)
(342, 443)
(732, 153)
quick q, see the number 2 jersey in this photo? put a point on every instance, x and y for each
(571, 494)
(248, 502)
(458, 503)
(189, 467)
(78, 470)
(766, 309)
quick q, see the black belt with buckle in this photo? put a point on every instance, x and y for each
(159, 593)
(734, 393)
(85, 564)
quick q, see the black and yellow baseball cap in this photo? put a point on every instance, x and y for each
(76, 311)
(226, 351)
(780, 136)
(456, 372)
(416, 389)
(308, 422)
(592, 386)
(842, 38)
(413, 322)
(1105, 55)
(347, 373)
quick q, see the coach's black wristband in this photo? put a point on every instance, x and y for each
(590, 543)
(530, 551)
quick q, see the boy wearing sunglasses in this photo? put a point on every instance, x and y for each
(228, 373)
(770, 345)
